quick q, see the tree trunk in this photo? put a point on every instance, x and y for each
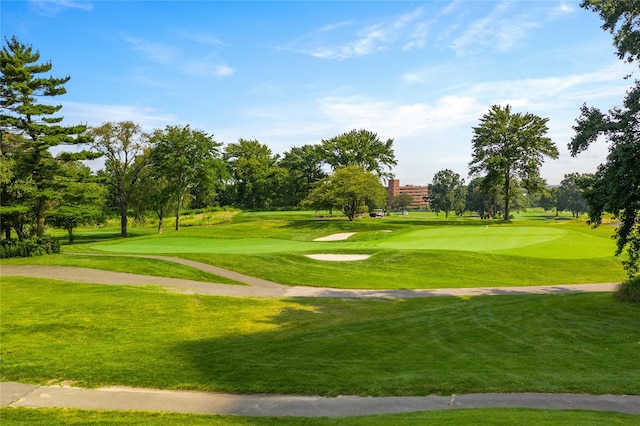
(507, 195)
(70, 231)
(123, 214)
(40, 209)
(178, 212)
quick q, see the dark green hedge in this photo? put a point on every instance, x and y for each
(28, 247)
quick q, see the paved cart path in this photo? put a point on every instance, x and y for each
(122, 398)
(258, 287)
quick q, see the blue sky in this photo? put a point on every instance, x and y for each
(291, 73)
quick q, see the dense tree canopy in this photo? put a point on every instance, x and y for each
(615, 187)
(360, 148)
(447, 192)
(570, 194)
(187, 159)
(252, 167)
(349, 189)
(22, 83)
(508, 149)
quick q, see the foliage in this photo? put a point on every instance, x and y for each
(621, 20)
(447, 192)
(252, 167)
(629, 290)
(80, 200)
(509, 149)
(615, 187)
(21, 116)
(123, 146)
(304, 169)
(185, 159)
(36, 246)
(569, 196)
(360, 148)
(402, 201)
(348, 188)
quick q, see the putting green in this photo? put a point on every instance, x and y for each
(207, 245)
(518, 241)
(541, 242)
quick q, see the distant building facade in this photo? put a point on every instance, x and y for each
(419, 193)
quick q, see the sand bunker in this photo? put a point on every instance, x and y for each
(338, 257)
(336, 237)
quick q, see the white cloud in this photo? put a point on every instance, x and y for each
(207, 66)
(406, 29)
(53, 7)
(96, 114)
(500, 31)
(156, 52)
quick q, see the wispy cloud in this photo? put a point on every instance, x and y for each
(406, 30)
(96, 114)
(203, 38)
(53, 7)
(157, 52)
(502, 29)
(207, 66)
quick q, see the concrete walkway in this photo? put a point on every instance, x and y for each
(120, 398)
(257, 287)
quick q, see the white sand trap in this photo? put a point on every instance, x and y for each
(336, 237)
(338, 257)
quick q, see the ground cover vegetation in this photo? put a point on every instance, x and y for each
(96, 335)
(489, 417)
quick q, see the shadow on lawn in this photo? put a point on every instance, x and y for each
(413, 347)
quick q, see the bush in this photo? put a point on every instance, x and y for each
(29, 247)
(629, 290)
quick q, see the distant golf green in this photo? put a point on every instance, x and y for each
(207, 245)
(519, 241)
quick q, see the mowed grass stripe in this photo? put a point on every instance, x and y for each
(102, 335)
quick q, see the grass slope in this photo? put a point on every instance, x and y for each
(101, 335)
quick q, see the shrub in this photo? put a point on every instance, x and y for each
(28, 247)
(629, 290)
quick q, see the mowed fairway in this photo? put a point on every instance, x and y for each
(404, 254)
(94, 335)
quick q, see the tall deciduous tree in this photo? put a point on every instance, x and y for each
(360, 148)
(509, 149)
(304, 168)
(121, 144)
(570, 193)
(22, 83)
(252, 166)
(615, 187)
(187, 158)
(349, 188)
(447, 192)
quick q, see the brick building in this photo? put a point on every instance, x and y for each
(418, 193)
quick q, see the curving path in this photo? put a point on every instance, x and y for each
(123, 398)
(257, 287)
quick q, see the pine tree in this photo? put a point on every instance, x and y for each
(21, 84)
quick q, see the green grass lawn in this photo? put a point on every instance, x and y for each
(419, 251)
(99, 335)
(476, 417)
